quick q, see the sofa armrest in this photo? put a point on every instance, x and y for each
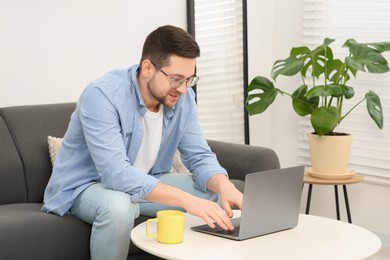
(240, 159)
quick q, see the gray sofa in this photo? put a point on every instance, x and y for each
(25, 168)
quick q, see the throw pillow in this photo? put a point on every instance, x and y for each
(177, 165)
(54, 146)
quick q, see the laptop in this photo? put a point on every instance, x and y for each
(271, 203)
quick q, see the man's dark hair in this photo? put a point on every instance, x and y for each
(166, 41)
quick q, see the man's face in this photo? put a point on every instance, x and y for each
(164, 88)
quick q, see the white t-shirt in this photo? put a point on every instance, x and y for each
(147, 155)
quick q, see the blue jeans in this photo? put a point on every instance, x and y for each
(112, 214)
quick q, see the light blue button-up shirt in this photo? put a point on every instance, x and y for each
(105, 134)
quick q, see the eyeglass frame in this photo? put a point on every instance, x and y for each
(190, 82)
(174, 79)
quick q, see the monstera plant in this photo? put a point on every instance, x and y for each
(321, 94)
(324, 84)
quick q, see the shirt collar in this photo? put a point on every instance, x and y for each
(133, 71)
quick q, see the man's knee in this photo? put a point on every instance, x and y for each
(119, 208)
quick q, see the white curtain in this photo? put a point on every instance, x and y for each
(220, 97)
(365, 21)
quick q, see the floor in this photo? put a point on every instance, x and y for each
(383, 254)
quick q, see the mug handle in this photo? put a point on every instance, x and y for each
(147, 228)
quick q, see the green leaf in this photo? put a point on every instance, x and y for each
(380, 46)
(297, 62)
(338, 90)
(334, 90)
(371, 62)
(300, 92)
(287, 67)
(305, 68)
(324, 120)
(348, 92)
(365, 58)
(261, 94)
(334, 70)
(327, 42)
(348, 43)
(303, 106)
(317, 91)
(299, 51)
(353, 71)
(374, 108)
(318, 59)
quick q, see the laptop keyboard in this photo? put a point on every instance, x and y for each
(233, 232)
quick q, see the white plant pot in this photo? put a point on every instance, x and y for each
(330, 155)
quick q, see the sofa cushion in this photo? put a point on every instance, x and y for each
(67, 237)
(241, 159)
(25, 222)
(239, 184)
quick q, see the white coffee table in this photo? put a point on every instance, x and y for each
(314, 238)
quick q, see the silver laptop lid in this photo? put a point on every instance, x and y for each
(271, 201)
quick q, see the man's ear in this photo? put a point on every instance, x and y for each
(147, 68)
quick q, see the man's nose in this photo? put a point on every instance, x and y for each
(183, 88)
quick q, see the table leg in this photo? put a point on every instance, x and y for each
(347, 203)
(336, 195)
(308, 198)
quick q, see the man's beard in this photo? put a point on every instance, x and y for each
(153, 92)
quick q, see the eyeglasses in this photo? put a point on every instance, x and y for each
(177, 81)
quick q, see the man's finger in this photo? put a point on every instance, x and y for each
(225, 219)
(226, 206)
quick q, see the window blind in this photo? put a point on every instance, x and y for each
(365, 21)
(220, 97)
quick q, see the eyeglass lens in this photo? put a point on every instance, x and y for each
(176, 82)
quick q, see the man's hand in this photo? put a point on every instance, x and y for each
(207, 210)
(229, 194)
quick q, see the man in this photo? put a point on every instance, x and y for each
(117, 153)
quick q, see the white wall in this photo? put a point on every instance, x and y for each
(275, 27)
(51, 49)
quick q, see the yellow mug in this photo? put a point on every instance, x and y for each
(170, 226)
